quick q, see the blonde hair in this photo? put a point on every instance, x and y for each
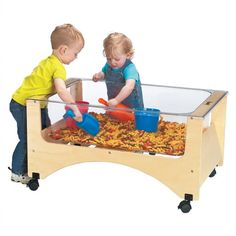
(117, 42)
(65, 34)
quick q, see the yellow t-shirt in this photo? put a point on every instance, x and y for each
(40, 82)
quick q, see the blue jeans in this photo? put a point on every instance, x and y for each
(19, 157)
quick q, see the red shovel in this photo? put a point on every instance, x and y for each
(118, 114)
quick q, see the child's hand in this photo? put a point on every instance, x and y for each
(112, 102)
(98, 76)
(78, 116)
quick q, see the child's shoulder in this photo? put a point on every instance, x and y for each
(50, 61)
(130, 66)
(130, 71)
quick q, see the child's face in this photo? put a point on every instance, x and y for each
(117, 60)
(70, 53)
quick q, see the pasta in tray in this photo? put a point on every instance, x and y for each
(114, 134)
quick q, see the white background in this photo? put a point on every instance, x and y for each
(179, 43)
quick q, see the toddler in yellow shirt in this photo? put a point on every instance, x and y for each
(48, 77)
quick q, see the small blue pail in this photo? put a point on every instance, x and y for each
(147, 119)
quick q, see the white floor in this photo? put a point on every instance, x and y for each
(178, 43)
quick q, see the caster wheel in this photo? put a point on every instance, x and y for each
(185, 206)
(213, 173)
(33, 184)
(152, 153)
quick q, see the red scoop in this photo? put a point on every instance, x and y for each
(118, 114)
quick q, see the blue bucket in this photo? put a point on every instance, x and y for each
(147, 119)
(89, 124)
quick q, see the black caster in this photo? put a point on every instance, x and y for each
(33, 184)
(213, 173)
(185, 206)
(152, 153)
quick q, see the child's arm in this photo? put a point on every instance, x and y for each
(65, 96)
(124, 93)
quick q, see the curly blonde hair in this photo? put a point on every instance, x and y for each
(117, 42)
(65, 34)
